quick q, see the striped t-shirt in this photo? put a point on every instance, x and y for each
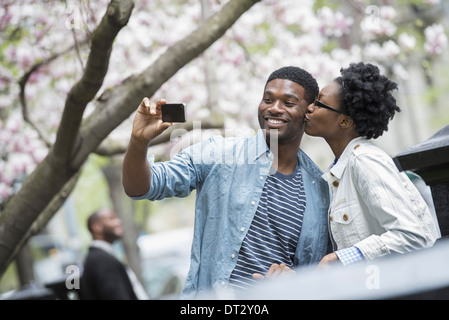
(274, 231)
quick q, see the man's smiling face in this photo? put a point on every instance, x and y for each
(283, 108)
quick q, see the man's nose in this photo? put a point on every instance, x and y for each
(276, 107)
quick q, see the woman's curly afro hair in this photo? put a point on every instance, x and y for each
(366, 98)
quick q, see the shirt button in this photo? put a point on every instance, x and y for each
(253, 202)
(261, 178)
(242, 229)
(335, 183)
(223, 283)
(330, 218)
(345, 217)
(232, 256)
(356, 146)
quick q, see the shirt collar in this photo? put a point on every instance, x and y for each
(338, 169)
(261, 145)
(101, 244)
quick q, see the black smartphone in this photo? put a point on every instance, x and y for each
(173, 112)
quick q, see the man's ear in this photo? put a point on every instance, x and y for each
(97, 227)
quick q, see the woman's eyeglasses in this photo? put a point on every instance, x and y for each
(322, 105)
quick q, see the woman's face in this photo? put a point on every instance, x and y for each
(321, 121)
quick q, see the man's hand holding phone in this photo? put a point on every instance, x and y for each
(148, 123)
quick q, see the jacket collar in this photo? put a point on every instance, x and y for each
(105, 246)
(338, 169)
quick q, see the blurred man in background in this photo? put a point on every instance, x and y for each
(104, 276)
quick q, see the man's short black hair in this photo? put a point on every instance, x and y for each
(301, 77)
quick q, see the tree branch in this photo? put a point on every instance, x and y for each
(117, 103)
(23, 82)
(116, 17)
(110, 147)
(48, 213)
(114, 106)
(53, 172)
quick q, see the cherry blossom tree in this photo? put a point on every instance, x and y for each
(76, 137)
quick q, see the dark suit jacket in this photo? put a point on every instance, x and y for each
(104, 278)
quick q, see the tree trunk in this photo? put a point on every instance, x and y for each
(75, 139)
(24, 265)
(124, 208)
(55, 171)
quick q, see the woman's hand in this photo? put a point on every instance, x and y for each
(275, 271)
(328, 259)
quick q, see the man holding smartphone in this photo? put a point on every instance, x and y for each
(261, 204)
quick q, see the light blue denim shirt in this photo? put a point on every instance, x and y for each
(228, 175)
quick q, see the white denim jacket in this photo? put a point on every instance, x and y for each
(374, 207)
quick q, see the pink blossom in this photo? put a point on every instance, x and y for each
(5, 191)
(433, 2)
(407, 41)
(436, 39)
(342, 25)
(387, 13)
(5, 20)
(334, 24)
(379, 22)
(14, 124)
(5, 173)
(388, 50)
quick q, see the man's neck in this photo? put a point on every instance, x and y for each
(104, 245)
(285, 158)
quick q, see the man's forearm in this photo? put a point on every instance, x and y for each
(136, 174)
